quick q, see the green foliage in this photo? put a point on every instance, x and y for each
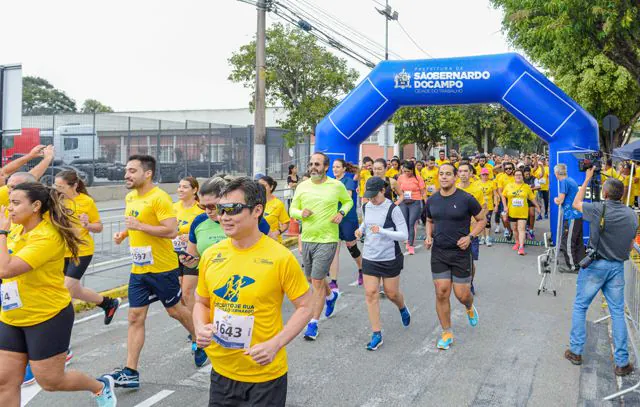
(40, 97)
(93, 106)
(426, 126)
(301, 76)
(591, 48)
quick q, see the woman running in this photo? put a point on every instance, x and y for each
(393, 192)
(530, 180)
(86, 219)
(383, 226)
(413, 195)
(274, 211)
(292, 182)
(187, 209)
(515, 198)
(349, 224)
(37, 315)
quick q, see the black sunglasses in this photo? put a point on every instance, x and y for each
(210, 207)
(232, 209)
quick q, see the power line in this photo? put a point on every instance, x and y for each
(412, 40)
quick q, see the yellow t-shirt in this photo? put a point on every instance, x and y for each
(41, 290)
(152, 254)
(83, 205)
(505, 180)
(364, 176)
(391, 172)
(475, 190)
(544, 181)
(517, 196)
(249, 283)
(488, 188)
(185, 216)
(439, 162)
(431, 181)
(275, 213)
(487, 166)
(635, 185)
(4, 196)
(610, 173)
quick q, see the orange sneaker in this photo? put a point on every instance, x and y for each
(446, 340)
(515, 247)
(521, 251)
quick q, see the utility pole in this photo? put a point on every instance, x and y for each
(389, 15)
(260, 133)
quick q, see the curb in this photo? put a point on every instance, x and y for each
(123, 290)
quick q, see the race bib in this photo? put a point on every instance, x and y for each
(232, 331)
(517, 202)
(179, 245)
(141, 256)
(431, 188)
(10, 296)
(542, 181)
(407, 194)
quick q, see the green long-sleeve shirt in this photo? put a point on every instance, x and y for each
(322, 200)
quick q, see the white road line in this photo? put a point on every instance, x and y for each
(28, 393)
(96, 315)
(156, 398)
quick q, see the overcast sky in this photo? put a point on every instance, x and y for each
(169, 55)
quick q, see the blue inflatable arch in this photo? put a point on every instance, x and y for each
(507, 79)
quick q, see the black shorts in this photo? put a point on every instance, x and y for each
(40, 341)
(186, 271)
(488, 225)
(515, 220)
(384, 269)
(451, 264)
(225, 392)
(76, 271)
(150, 287)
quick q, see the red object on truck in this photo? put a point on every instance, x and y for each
(20, 144)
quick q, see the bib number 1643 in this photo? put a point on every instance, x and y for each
(232, 331)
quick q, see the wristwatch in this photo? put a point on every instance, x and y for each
(4, 232)
(341, 212)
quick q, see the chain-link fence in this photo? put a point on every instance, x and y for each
(97, 146)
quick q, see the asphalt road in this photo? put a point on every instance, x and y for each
(514, 357)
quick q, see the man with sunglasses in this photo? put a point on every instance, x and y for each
(505, 179)
(316, 204)
(238, 311)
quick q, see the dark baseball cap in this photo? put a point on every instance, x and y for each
(373, 186)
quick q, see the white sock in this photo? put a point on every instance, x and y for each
(313, 321)
(331, 296)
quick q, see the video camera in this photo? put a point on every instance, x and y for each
(591, 160)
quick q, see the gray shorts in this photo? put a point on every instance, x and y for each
(317, 258)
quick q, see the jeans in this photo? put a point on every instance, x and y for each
(607, 276)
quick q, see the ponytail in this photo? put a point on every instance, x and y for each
(71, 178)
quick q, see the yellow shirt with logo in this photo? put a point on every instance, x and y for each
(83, 205)
(488, 188)
(635, 185)
(391, 172)
(151, 208)
(439, 162)
(544, 181)
(41, 289)
(365, 174)
(487, 166)
(275, 213)
(249, 283)
(475, 190)
(505, 180)
(431, 181)
(4, 196)
(185, 216)
(517, 199)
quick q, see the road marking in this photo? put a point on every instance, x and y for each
(96, 315)
(156, 398)
(28, 393)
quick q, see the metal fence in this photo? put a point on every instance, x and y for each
(97, 145)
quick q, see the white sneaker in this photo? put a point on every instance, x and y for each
(497, 229)
(482, 240)
(489, 244)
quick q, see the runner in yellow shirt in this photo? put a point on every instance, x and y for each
(541, 173)
(506, 179)
(37, 315)
(238, 313)
(394, 170)
(515, 197)
(482, 163)
(274, 212)
(364, 175)
(489, 189)
(442, 159)
(430, 176)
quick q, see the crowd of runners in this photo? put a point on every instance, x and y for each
(214, 259)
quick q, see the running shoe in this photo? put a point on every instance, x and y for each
(125, 377)
(405, 314)
(199, 356)
(521, 251)
(516, 246)
(28, 376)
(488, 241)
(333, 286)
(472, 314)
(107, 397)
(411, 250)
(360, 279)
(189, 338)
(376, 342)
(331, 304)
(481, 241)
(312, 331)
(546, 216)
(506, 233)
(381, 291)
(539, 217)
(533, 235)
(110, 311)
(69, 357)
(445, 341)
(497, 230)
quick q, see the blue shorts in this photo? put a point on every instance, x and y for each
(475, 248)
(150, 287)
(347, 230)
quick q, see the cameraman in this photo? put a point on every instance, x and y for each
(571, 243)
(613, 227)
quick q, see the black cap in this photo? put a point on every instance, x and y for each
(373, 186)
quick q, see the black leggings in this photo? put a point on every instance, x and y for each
(545, 198)
(411, 212)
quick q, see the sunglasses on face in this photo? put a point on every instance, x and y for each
(210, 207)
(232, 209)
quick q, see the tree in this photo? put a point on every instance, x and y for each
(427, 125)
(93, 106)
(39, 97)
(591, 49)
(301, 76)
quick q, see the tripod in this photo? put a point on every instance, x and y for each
(548, 261)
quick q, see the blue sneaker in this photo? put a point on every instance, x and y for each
(406, 316)
(376, 342)
(312, 331)
(28, 376)
(546, 216)
(125, 377)
(107, 398)
(472, 314)
(331, 305)
(445, 341)
(200, 356)
(539, 217)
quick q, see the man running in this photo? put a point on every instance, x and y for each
(150, 225)
(442, 159)
(506, 179)
(316, 204)
(449, 213)
(238, 310)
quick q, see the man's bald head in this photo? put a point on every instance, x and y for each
(20, 178)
